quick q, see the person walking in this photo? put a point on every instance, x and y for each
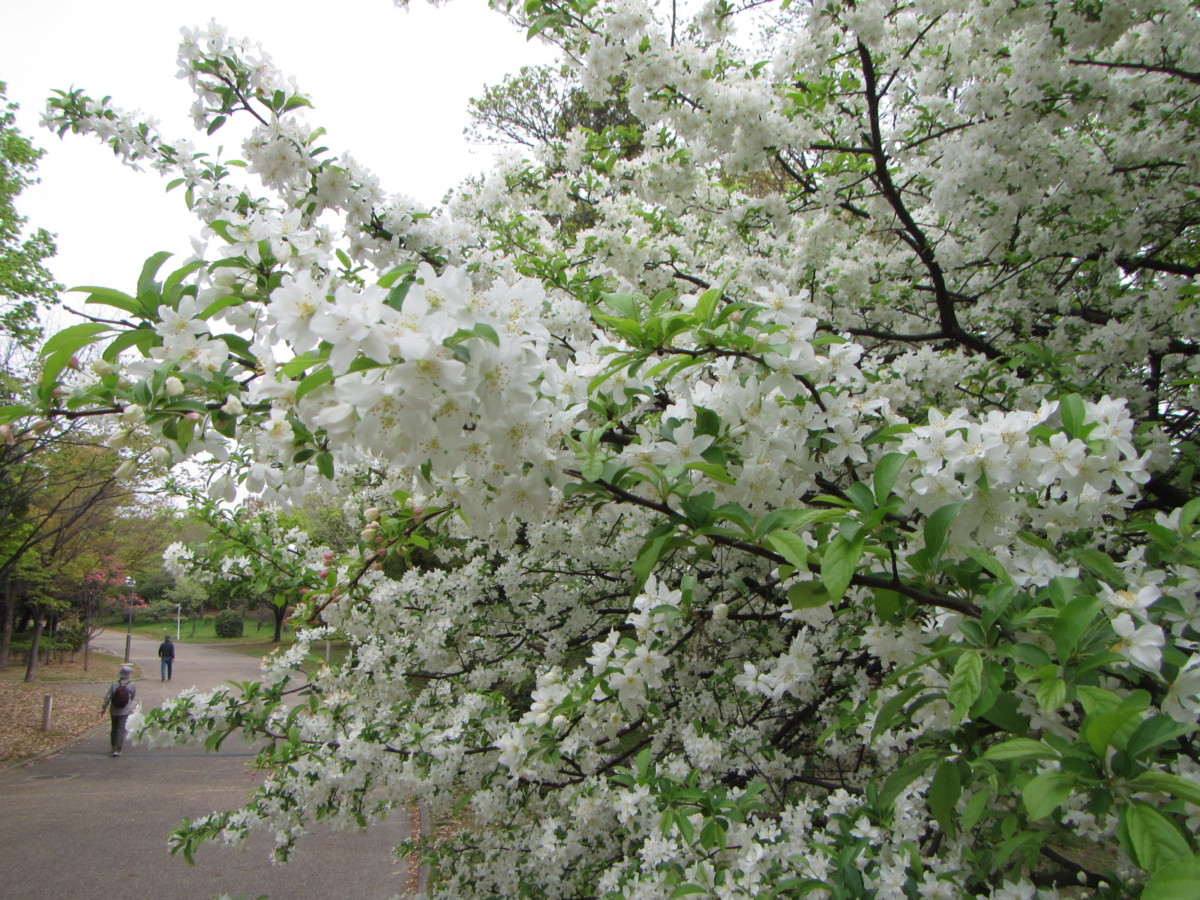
(166, 653)
(118, 700)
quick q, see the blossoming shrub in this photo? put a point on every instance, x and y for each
(816, 517)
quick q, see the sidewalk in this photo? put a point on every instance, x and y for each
(67, 818)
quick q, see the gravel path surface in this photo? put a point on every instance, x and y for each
(82, 824)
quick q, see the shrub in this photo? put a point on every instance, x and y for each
(229, 624)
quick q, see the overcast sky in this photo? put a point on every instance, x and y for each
(389, 86)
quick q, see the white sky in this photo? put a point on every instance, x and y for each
(389, 86)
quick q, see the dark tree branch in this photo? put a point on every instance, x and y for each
(911, 232)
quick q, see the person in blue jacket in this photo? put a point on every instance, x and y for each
(121, 689)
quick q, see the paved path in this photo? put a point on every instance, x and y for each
(64, 819)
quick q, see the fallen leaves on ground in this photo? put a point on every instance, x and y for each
(74, 711)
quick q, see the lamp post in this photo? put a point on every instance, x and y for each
(178, 608)
(129, 627)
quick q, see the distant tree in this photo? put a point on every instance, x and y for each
(258, 556)
(25, 282)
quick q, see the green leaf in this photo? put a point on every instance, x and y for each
(1108, 728)
(796, 887)
(1166, 783)
(1006, 713)
(1154, 732)
(110, 297)
(990, 564)
(1019, 749)
(311, 382)
(1153, 839)
(944, 791)
(652, 551)
(838, 565)
(146, 284)
(1073, 621)
(143, 338)
(796, 519)
(73, 338)
(12, 413)
(706, 304)
(1044, 793)
(975, 809)
(712, 835)
(325, 465)
(937, 528)
(624, 305)
(1051, 693)
(791, 547)
(886, 470)
(1070, 410)
(172, 280)
(895, 783)
(862, 498)
(1101, 565)
(807, 595)
(737, 514)
(1175, 880)
(966, 682)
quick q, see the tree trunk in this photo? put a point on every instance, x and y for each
(10, 604)
(31, 668)
(280, 614)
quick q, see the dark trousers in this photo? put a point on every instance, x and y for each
(166, 667)
(117, 738)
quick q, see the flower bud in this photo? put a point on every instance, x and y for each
(233, 406)
(133, 415)
(371, 514)
(102, 367)
(173, 386)
(160, 455)
(126, 469)
(117, 439)
(193, 417)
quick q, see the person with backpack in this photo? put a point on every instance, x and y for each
(166, 653)
(119, 703)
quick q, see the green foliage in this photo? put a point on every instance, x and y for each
(25, 283)
(229, 624)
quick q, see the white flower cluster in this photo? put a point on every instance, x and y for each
(771, 484)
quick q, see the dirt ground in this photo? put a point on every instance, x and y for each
(75, 706)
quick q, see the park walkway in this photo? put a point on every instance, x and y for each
(82, 824)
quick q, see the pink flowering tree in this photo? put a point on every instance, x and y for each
(814, 517)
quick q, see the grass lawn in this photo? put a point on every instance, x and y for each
(255, 641)
(203, 631)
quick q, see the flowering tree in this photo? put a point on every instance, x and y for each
(815, 517)
(263, 562)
